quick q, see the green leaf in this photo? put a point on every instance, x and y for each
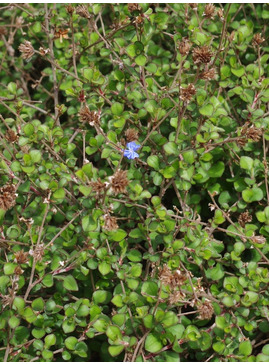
(101, 296)
(246, 162)
(118, 235)
(206, 110)
(13, 322)
(153, 344)
(141, 60)
(71, 342)
(153, 161)
(70, 283)
(115, 350)
(149, 289)
(38, 304)
(104, 268)
(245, 348)
(252, 194)
(50, 340)
(117, 108)
(171, 148)
(216, 170)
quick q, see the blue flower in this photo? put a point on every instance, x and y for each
(130, 152)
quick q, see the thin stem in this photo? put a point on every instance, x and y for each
(55, 85)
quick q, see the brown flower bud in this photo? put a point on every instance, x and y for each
(131, 135)
(119, 182)
(110, 223)
(98, 186)
(7, 197)
(187, 93)
(202, 55)
(87, 116)
(206, 310)
(134, 7)
(26, 50)
(184, 47)
(208, 75)
(21, 257)
(244, 217)
(194, 6)
(259, 239)
(209, 11)
(11, 136)
(83, 11)
(257, 40)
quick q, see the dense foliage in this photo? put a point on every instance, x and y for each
(134, 199)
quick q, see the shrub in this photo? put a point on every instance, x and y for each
(134, 182)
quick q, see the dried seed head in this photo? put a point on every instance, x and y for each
(26, 50)
(70, 9)
(37, 253)
(187, 93)
(87, 116)
(98, 186)
(259, 239)
(209, 11)
(131, 135)
(206, 310)
(6, 300)
(110, 223)
(251, 132)
(83, 11)
(244, 217)
(18, 271)
(7, 197)
(172, 279)
(194, 6)
(257, 40)
(61, 34)
(208, 75)
(184, 47)
(139, 19)
(43, 51)
(176, 297)
(21, 257)
(220, 14)
(119, 182)
(3, 30)
(133, 7)
(202, 55)
(11, 136)
(231, 36)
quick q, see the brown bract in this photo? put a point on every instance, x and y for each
(206, 310)
(11, 136)
(259, 239)
(98, 186)
(83, 11)
(7, 197)
(21, 257)
(257, 39)
(131, 135)
(209, 11)
(134, 7)
(26, 49)
(202, 55)
(87, 116)
(119, 182)
(184, 47)
(172, 279)
(208, 75)
(110, 223)
(244, 217)
(187, 93)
